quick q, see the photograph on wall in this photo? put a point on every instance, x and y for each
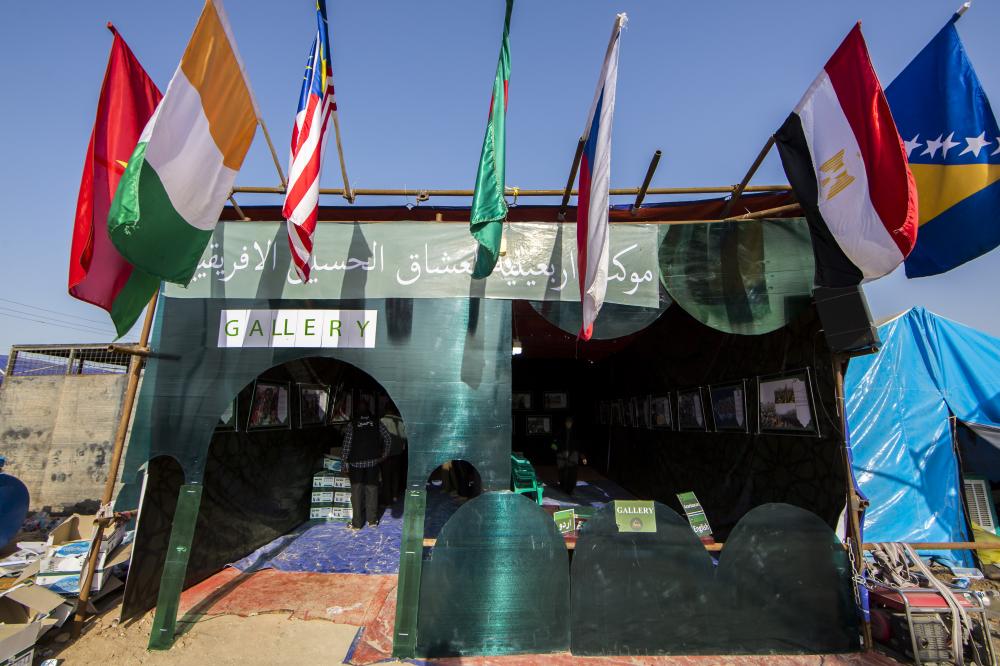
(227, 420)
(538, 425)
(269, 406)
(660, 413)
(616, 413)
(729, 406)
(314, 403)
(521, 400)
(786, 404)
(343, 405)
(555, 400)
(690, 412)
(628, 415)
(604, 413)
(645, 416)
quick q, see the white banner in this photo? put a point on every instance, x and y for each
(297, 328)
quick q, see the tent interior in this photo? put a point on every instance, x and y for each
(623, 395)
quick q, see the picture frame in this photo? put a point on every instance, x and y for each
(229, 418)
(645, 417)
(661, 414)
(314, 405)
(690, 410)
(729, 406)
(635, 420)
(786, 404)
(617, 413)
(342, 408)
(538, 425)
(521, 401)
(555, 400)
(269, 408)
(604, 413)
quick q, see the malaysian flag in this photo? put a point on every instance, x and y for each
(316, 105)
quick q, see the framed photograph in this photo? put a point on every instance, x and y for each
(227, 420)
(555, 400)
(343, 405)
(634, 416)
(690, 411)
(314, 404)
(538, 425)
(645, 418)
(729, 406)
(604, 413)
(660, 413)
(787, 405)
(521, 400)
(269, 406)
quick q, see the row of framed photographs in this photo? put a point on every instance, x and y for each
(318, 405)
(523, 401)
(786, 405)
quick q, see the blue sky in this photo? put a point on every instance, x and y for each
(704, 82)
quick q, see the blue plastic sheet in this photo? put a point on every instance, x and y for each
(898, 405)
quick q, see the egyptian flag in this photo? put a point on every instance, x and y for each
(847, 166)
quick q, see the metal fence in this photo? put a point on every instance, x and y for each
(33, 361)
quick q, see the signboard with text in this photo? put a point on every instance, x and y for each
(635, 515)
(297, 328)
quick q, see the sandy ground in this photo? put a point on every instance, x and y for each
(274, 638)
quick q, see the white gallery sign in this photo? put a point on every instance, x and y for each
(297, 328)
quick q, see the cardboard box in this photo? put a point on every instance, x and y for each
(67, 547)
(326, 480)
(320, 497)
(333, 463)
(342, 497)
(330, 513)
(27, 612)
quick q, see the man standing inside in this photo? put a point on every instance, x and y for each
(366, 444)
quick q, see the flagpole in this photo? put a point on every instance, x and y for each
(961, 10)
(348, 193)
(738, 192)
(105, 516)
(274, 155)
(650, 170)
(572, 177)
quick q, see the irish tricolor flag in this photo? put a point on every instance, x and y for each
(182, 170)
(847, 166)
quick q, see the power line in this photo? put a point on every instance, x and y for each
(63, 314)
(48, 321)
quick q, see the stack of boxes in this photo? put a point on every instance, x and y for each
(331, 492)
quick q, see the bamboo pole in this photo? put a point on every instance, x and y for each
(572, 176)
(767, 212)
(619, 191)
(128, 404)
(742, 187)
(274, 156)
(348, 194)
(653, 163)
(236, 207)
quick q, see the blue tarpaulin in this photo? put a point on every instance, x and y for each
(898, 405)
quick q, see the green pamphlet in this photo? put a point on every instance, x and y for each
(565, 521)
(635, 516)
(695, 515)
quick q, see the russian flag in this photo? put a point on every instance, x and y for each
(595, 183)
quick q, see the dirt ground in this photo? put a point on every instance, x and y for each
(275, 638)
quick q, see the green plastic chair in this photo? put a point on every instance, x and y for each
(523, 479)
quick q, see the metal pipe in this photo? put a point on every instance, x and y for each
(572, 176)
(274, 156)
(621, 191)
(236, 207)
(348, 194)
(742, 187)
(645, 181)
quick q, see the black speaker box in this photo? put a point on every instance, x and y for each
(846, 319)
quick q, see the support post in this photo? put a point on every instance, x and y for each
(104, 515)
(739, 189)
(348, 192)
(175, 568)
(653, 163)
(404, 641)
(854, 504)
(274, 155)
(236, 207)
(572, 176)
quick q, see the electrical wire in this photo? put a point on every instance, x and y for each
(62, 314)
(27, 316)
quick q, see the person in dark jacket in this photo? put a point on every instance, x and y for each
(366, 444)
(569, 456)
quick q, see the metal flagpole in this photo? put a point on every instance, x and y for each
(739, 189)
(105, 515)
(348, 193)
(274, 156)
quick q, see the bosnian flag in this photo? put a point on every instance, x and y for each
(595, 182)
(316, 104)
(847, 166)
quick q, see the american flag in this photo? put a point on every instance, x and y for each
(316, 104)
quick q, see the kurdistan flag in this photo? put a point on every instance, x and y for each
(182, 170)
(489, 209)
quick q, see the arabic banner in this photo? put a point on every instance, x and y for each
(418, 260)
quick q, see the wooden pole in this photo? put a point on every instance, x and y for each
(767, 212)
(236, 207)
(854, 505)
(742, 187)
(348, 194)
(274, 156)
(569, 191)
(650, 170)
(105, 517)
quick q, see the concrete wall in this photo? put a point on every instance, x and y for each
(57, 433)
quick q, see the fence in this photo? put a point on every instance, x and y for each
(37, 360)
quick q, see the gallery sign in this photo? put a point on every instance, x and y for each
(297, 328)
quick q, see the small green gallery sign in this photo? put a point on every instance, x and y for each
(297, 328)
